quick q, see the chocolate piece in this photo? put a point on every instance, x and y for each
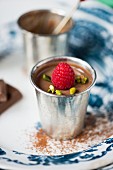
(3, 91)
(13, 95)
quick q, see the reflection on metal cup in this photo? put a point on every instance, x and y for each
(39, 42)
(62, 117)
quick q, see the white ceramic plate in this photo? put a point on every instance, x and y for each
(22, 118)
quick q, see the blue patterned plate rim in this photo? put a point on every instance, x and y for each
(74, 158)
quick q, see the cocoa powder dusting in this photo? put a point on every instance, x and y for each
(95, 131)
(42, 139)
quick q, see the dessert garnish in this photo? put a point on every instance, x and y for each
(63, 78)
(51, 89)
(58, 92)
(81, 79)
(46, 77)
(12, 96)
(72, 90)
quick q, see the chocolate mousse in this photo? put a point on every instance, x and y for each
(82, 79)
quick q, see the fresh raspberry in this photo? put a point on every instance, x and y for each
(63, 76)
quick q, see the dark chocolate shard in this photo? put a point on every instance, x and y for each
(13, 95)
(3, 91)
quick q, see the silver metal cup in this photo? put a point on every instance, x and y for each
(39, 42)
(62, 117)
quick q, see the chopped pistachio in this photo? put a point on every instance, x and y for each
(81, 79)
(49, 91)
(84, 80)
(58, 92)
(78, 79)
(51, 87)
(46, 77)
(72, 90)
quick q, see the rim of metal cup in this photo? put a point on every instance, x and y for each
(54, 11)
(60, 58)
